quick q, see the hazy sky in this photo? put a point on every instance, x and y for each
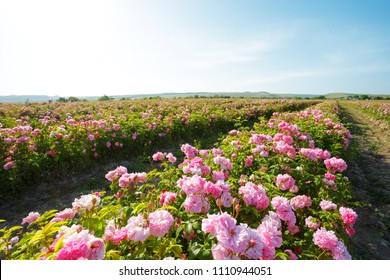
(129, 47)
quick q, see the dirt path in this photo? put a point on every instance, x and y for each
(369, 172)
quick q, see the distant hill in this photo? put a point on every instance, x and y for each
(246, 94)
(27, 98)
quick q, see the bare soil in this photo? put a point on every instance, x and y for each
(369, 172)
(56, 195)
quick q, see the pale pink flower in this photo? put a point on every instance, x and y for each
(311, 223)
(189, 151)
(166, 198)
(116, 174)
(213, 189)
(171, 158)
(255, 245)
(91, 137)
(223, 162)
(64, 215)
(292, 255)
(108, 144)
(87, 202)
(335, 164)
(226, 199)
(260, 149)
(259, 139)
(309, 153)
(340, 252)
(32, 217)
(79, 244)
(236, 239)
(300, 201)
(285, 212)
(330, 176)
(192, 185)
(196, 203)
(270, 234)
(326, 240)
(160, 222)
(96, 250)
(137, 228)
(327, 205)
(218, 175)
(254, 195)
(286, 182)
(221, 253)
(158, 156)
(204, 153)
(119, 235)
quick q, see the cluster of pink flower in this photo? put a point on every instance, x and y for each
(240, 241)
(66, 214)
(85, 202)
(161, 156)
(197, 188)
(167, 198)
(254, 195)
(31, 217)
(335, 164)
(300, 201)
(314, 153)
(78, 244)
(189, 151)
(125, 180)
(286, 182)
(194, 166)
(140, 227)
(128, 180)
(328, 241)
(285, 213)
(349, 218)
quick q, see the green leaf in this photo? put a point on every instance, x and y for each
(177, 250)
(140, 207)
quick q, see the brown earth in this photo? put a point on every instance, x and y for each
(369, 172)
(55, 195)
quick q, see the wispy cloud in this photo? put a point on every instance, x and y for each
(253, 47)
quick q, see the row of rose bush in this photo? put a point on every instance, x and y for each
(272, 192)
(41, 142)
(377, 109)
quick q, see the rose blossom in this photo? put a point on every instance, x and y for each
(325, 239)
(160, 222)
(335, 164)
(327, 205)
(32, 217)
(137, 228)
(286, 182)
(300, 201)
(167, 198)
(348, 215)
(65, 214)
(254, 195)
(311, 223)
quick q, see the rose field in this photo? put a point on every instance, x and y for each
(273, 186)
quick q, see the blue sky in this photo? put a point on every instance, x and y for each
(84, 48)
